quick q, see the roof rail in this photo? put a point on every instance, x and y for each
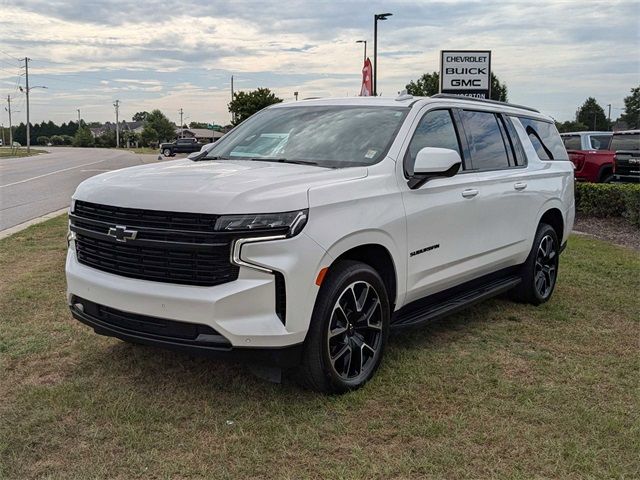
(483, 100)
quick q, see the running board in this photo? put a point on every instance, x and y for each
(428, 311)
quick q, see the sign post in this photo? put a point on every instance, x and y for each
(466, 72)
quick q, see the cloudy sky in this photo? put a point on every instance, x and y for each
(181, 54)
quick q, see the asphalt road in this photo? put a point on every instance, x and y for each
(31, 187)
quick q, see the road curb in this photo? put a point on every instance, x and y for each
(18, 228)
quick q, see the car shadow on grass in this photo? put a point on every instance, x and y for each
(149, 370)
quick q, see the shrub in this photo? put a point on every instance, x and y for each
(42, 140)
(57, 140)
(609, 200)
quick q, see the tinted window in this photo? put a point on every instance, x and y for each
(572, 142)
(486, 143)
(545, 139)
(514, 140)
(434, 130)
(600, 142)
(332, 136)
(627, 141)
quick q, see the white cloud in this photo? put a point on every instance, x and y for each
(551, 54)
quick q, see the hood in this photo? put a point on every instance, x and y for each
(225, 186)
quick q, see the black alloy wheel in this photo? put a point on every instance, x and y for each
(354, 332)
(546, 266)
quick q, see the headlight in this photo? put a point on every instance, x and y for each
(290, 223)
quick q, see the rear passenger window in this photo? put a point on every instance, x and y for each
(434, 130)
(572, 142)
(600, 142)
(545, 139)
(486, 140)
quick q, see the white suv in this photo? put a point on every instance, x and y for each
(313, 228)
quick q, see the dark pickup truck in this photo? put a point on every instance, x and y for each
(626, 163)
(181, 145)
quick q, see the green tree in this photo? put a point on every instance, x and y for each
(571, 126)
(158, 127)
(245, 104)
(42, 140)
(149, 136)
(83, 138)
(429, 84)
(631, 115)
(592, 115)
(140, 116)
(198, 125)
(107, 139)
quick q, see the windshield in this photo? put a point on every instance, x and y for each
(333, 136)
(625, 141)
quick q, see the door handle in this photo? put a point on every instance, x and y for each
(469, 193)
(520, 185)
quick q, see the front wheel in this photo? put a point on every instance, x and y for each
(348, 331)
(540, 270)
(166, 152)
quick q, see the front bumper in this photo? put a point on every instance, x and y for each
(243, 311)
(213, 346)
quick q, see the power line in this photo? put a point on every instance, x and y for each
(11, 56)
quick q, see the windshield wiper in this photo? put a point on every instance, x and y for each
(282, 160)
(203, 157)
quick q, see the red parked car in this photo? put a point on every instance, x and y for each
(589, 152)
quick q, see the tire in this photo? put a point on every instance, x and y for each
(167, 152)
(540, 270)
(348, 330)
(607, 178)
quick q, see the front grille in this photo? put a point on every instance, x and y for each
(170, 247)
(135, 217)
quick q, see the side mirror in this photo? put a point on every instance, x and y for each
(432, 162)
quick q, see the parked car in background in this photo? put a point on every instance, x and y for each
(181, 145)
(314, 227)
(590, 153)
(626, 145)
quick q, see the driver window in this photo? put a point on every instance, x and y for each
(434, 130)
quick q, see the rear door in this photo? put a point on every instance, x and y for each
(504, 200)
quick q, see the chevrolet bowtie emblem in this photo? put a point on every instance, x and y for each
(121, 233)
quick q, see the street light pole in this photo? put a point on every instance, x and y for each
(365, 50)
(26, 76)
(376, 17)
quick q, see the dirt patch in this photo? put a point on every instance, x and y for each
(615, 230)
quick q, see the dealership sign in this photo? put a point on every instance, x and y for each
(466, 72)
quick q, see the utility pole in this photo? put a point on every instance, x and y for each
(609, 116)
(181, 124)
(233, 115)
(26, 76)
(117, 107)
(78, 110)
(10, 129)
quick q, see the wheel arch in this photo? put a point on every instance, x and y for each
(554, 218)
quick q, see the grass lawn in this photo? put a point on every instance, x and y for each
(142, 150)
(500, 390)
(6, 152)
